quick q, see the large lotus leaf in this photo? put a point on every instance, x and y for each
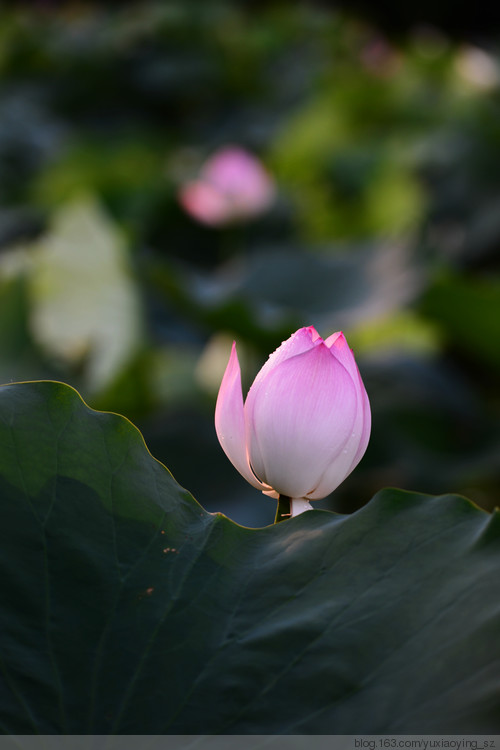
(126, 608)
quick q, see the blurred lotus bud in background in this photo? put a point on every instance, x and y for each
(232, 186)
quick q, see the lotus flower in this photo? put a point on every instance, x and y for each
(305, 423)
(232, 186)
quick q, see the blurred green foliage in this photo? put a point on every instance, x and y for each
(386, 225)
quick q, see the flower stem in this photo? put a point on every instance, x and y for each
(283, 509)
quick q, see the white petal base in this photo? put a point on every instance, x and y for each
(299, 505)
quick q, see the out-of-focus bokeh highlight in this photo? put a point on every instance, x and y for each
(175, 175)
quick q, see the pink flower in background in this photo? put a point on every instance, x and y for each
(306, 421)
(232, 186)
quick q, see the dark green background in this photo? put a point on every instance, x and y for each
(385, 155)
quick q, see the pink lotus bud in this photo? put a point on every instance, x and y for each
(232, 186)
(306, 421)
